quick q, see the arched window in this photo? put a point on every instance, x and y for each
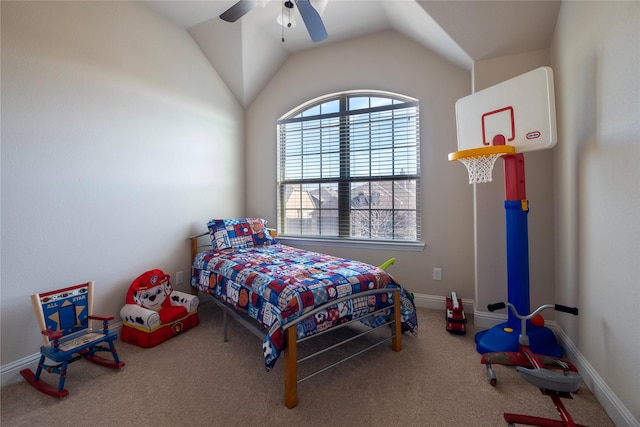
(349, 168)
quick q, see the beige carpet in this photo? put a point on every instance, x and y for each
(196, 379)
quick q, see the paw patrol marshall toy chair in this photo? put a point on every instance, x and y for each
(154, 312)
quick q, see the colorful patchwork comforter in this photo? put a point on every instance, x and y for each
(276, 284)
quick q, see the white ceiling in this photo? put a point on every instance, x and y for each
(248, 52)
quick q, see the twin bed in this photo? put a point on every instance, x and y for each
(287, 295)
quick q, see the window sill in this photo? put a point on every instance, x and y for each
(348, 243)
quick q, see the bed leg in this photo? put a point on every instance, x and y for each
(290, 369)
(224, 324)
(194, 251)
(396, 342)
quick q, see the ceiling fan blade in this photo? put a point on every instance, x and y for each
(238, 10)
(312, 20)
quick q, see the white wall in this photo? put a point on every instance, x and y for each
(596, 56)
(118, 141)
(404, 67)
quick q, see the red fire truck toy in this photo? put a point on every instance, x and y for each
(456, 320)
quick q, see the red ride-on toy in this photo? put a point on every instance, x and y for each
(456, 320)
(554, 376)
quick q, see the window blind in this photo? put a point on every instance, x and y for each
(350, 168)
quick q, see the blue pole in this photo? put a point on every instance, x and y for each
(517, 259)
(504, 337)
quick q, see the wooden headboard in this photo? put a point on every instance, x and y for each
(199, 243)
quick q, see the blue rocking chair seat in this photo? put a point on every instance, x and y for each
(64, 317)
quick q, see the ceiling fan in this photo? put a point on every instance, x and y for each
(310, 16)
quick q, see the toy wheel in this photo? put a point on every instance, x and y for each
(491, 376)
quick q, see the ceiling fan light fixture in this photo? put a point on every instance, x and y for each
(319, 5)
(286, 17)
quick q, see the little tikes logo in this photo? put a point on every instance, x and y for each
(533, 135)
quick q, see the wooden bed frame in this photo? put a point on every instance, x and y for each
(290, 353)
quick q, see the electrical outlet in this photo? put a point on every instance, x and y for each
(179, 278)
(437, 273)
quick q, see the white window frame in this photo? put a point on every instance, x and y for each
(322, 169)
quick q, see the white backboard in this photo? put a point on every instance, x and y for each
(521, 110)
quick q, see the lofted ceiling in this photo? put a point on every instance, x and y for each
(249, 52)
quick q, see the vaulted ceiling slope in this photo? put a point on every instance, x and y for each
(248, 52)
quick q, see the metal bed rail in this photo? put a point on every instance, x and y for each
(260, 332)
(291, 360)
(343, 342)
(313, 312)
(248, 322)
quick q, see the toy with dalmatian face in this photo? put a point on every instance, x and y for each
(152, 290)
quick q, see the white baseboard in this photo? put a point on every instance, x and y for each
(487, 319)
(10, 373)
(616, 410)
(437, 302)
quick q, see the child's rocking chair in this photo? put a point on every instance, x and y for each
(63, 316)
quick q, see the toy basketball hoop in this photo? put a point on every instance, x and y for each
(480, 161)
(515, 116)
(509, 119)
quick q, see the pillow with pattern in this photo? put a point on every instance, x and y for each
(239, 233)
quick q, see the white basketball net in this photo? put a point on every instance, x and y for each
(480, 167)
